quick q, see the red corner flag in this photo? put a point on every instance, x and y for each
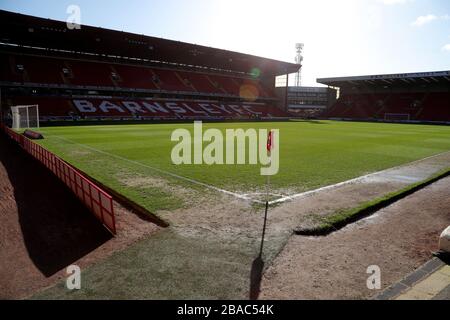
(270, 141)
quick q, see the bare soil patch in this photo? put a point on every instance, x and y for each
(44, 227)
(398, 239)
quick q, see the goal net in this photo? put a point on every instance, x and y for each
(397, 116)
(24, 117)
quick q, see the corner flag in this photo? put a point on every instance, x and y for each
(269, 150)
(270, 141)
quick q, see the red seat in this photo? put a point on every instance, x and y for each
(90, 74)
(168, 80)
(134, 77)
(38, 69)
(227, 84)
(199, 81)
(436, 107)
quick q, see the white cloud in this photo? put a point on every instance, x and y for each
(423, 20)
(446, 48)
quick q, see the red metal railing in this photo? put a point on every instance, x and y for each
(95, 199)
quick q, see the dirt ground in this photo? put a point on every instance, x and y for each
(44, 227)
(398, 239)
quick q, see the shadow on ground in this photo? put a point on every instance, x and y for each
(256, 277)
(56, 228)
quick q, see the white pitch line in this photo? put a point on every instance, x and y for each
(237, 195)
(308, 193)
(245, 196)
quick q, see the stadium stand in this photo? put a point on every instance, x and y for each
(436, 107)
(402, 97)
(127, 76)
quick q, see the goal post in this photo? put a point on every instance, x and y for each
(24, 117)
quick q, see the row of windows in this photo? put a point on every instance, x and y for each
(308, 102)
(49, 29)
(303, 95)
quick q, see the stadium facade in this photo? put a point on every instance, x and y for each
(422, 97)
(96, 74)
(99, 74)
(308, 102)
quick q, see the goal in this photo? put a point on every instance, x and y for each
(24, 117)
(397, 116)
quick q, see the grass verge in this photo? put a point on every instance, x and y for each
(341, 218)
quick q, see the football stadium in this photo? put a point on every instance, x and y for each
(162, 169)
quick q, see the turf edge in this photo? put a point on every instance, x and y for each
(342, 218)
(128, 203)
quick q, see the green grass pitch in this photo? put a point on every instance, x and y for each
(312, 154)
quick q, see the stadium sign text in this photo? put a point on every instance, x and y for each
(230, 149)
(150, 107)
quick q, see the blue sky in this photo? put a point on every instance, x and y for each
(345, 37)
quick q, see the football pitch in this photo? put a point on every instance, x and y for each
(135, 160)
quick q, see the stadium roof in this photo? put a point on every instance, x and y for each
(438, 77)
(24, 30)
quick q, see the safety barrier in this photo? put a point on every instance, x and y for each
(95, 199)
